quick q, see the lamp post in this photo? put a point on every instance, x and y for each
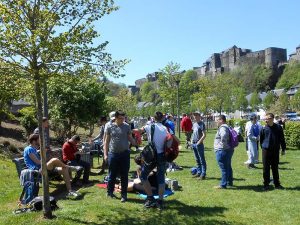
(178, 116)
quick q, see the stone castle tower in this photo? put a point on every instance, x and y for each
(234, 57)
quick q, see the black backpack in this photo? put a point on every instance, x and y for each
(37, 203)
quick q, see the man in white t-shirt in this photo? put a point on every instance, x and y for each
(159, 137)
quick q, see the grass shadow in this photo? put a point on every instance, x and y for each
(219, 178)
(283, 163)
(281, 168)
(297, 188)
(192, 214)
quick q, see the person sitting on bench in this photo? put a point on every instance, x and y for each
(33, 161)
(71, 156)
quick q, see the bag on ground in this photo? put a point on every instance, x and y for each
(37, 203)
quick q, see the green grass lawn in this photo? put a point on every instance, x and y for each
(196, 203)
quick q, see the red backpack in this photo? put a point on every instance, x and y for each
(171, 148)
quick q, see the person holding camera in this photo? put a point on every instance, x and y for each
(71, 156)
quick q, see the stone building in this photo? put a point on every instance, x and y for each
(296, 55)
(140, 82)
(235, 56)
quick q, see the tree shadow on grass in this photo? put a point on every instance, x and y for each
(259, 188)
(219, 178)
(282, 168)
(60, 192)
(175, 212)
(256, 188)
(282, 163)
(297, 188)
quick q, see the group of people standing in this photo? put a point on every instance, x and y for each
(270, 137)
(115, 136)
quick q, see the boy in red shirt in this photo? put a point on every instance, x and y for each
(71, 156)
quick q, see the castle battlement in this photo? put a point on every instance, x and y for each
(233, 57)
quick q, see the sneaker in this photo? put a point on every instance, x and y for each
(159, 204)
(196, 175)
(252, 166)
(229, 185)
(76, 168)
(72, 194)
(123, 199)
(279, 187)
(219, 187)
(266, 188)
(202, 177)
(150, 202)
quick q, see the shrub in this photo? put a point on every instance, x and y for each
(242, 123)
(12, 149)
(28, 119)
(292, 134)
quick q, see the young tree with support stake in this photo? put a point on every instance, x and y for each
(42, 38)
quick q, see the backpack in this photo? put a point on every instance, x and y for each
(37, 203)
(30, 181)
(149, 153)
(233, 137)
(171, 148)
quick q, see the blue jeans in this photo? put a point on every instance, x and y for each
(161, 169)
(118, 164)
(223, 158)
(200, 159)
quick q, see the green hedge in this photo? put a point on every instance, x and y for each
(292, 134)
(242, 123)
(28, 119)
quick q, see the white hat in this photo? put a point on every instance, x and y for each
(112, 115)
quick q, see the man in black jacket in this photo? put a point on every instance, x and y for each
(271, 138)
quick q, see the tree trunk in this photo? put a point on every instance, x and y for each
(45, 179)
(46, 114)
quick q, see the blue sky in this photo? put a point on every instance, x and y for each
(152, 33)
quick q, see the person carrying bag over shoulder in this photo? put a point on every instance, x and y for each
(157, 133)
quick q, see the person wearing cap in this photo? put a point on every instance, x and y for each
(71, 156)
(198, 136)
(117, 154)
(252, 153)
(252, 142)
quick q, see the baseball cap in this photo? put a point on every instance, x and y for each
(252, 116)
(112, 115)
